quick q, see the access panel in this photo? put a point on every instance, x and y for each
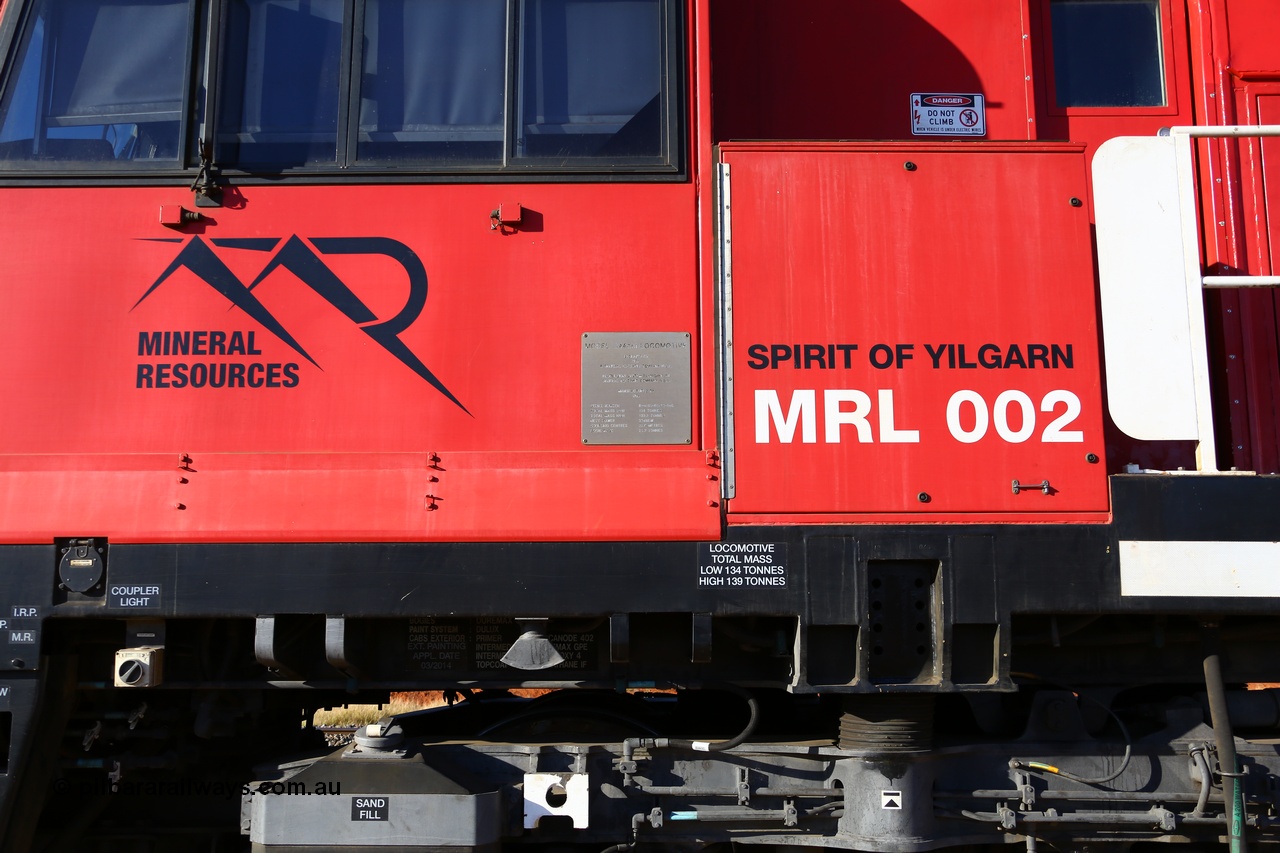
(912, 330)
(351, 363)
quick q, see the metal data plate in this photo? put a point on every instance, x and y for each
(636, 388)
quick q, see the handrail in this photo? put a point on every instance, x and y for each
(1222, 131)
(1230, 131)
(1196, 281)
(1240, 280)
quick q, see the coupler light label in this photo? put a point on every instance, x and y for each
(147, 596)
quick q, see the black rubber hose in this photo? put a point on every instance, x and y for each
(1017, 763)
(720, 746)
(1232, 787)
(631, 744)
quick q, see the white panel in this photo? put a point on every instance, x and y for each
(1146, 331)
(574, 790)
(1200, 569)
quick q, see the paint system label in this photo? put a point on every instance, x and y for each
(466, 645)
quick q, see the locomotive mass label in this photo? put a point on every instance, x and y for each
(739, 564)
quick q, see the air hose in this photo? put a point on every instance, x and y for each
(753, 705)
(1018, 763)
(1229, 767)
(631, 744)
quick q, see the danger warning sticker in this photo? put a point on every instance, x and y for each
(947, 114)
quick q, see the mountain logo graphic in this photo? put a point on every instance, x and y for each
(297, 257)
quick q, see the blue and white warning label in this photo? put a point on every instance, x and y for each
(947, 114)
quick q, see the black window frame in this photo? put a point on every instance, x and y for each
(199, 146)
(1164, 51)
(12, 28)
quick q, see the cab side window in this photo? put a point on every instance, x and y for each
(278, 102)
(1108, 53)
(344, 86)
(433, 83)
(591, 79)
(99, 81)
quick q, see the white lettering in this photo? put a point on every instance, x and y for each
(804, 404)
(835, 416)
(1000, 412)
(802, 413)
(888, 434)
(1054, 432)
(980, 417)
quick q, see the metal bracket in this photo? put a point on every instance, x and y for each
(1165, 819)
(619, 637)
(1022, 780)
(505, 216)
(336, 647)
(556, 795)
(265, 642)
(1042, 486)
(701, 638)
(208, 193)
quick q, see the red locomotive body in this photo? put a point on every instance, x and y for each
(923, 397)
(857, 419)
(338, 357)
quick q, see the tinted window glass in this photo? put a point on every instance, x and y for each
(434, 80)
(326, 85)
(591, 79)
(279, 97)
(97, 81)
(1107, 53)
